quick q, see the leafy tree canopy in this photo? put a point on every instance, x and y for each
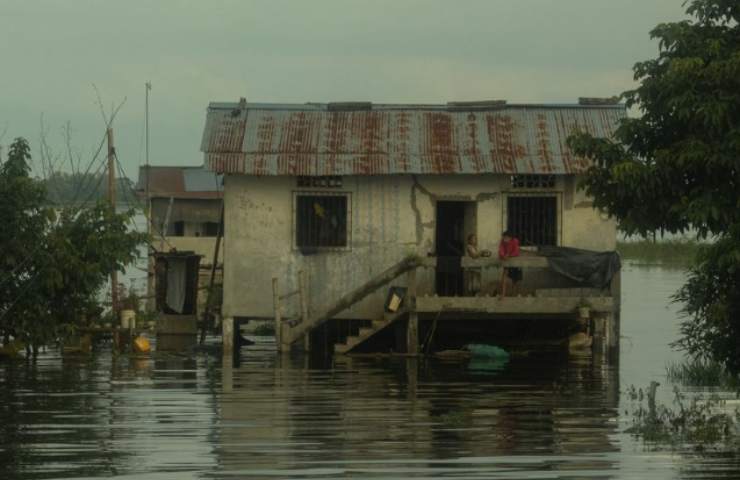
(54, 262)
(676, 166)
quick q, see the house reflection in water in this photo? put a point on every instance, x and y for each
(374, 415)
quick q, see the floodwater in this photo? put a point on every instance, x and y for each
(177, 417)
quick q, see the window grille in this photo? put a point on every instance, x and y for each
(532, 219)
(533, 181)
(321, 221)
(320, 182)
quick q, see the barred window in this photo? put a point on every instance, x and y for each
(533, 219)
(533, 181)
(321, 221)
(320, 182)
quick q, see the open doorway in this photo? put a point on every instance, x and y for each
(455, 221)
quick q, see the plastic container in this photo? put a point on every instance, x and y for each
(128, 319)
(141, 345)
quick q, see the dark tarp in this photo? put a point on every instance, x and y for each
(588, 268)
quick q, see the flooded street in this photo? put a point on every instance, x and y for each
(299, 417)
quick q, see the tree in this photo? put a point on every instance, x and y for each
(24, 221)
(55, 262)
(676, 167)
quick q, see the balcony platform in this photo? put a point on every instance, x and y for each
(530, 305)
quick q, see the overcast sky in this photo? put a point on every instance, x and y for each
(194, 52)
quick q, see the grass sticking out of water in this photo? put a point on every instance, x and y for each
(701, 373)
(702, 424)
(676, 252)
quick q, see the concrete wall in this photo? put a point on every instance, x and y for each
(391, 217)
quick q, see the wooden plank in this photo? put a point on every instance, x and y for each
(511, 305)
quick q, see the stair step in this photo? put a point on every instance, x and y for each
(366, 332)
(378, 324)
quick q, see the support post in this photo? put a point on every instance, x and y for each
(613, 320)
(112, 200)
(214, 265)
(303, 293)
(276, 312)
(412, 330)
(227, 332)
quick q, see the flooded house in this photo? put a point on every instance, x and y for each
(185, 204)
(348, 224)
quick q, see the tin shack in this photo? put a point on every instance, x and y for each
(332, 206)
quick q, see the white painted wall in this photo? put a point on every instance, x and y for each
(392, 217)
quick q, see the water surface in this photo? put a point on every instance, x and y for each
(276, 416)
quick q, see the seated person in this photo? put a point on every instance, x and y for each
(473, 275)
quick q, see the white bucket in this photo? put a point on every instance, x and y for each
(128, 319)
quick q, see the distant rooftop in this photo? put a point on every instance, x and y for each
(362, 138)
(179, 182)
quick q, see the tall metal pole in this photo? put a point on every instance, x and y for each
(148, 86)
(148, 214)
(112, 200)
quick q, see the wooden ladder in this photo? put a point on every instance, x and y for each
(367, 333)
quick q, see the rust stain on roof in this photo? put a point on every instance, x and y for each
(311, 139)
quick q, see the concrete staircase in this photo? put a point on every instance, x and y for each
(366, 333)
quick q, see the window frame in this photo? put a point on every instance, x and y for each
(558, 195)
(321, 193)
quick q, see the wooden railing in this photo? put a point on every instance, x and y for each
(525, 261)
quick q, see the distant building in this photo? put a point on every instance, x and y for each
(344, 191)
(185, 213)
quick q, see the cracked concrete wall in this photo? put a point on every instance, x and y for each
(391, 217)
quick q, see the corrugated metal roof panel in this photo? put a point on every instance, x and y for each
(202, 180)
(179, 182)
(313, 140)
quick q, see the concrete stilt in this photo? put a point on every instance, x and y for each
(227, 333)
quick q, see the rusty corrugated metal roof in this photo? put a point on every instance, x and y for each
(179, 182)
(364, 139)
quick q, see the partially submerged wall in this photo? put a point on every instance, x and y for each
(391, 217)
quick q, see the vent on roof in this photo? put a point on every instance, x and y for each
(598, 100)
(348, 106)
(479, 105)
(242, 106)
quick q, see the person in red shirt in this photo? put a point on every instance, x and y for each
(510, 276)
